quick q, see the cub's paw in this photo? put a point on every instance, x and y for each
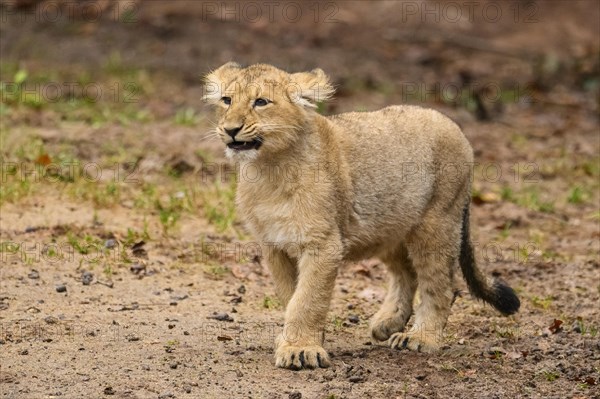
(383, 325)
(418, 342)
(301, 357)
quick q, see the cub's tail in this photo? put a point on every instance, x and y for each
(492, 290)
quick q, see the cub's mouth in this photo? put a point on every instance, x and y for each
(244, 145)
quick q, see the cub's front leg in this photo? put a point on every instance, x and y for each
(284, 272)
(300, 344)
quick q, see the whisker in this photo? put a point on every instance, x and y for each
(212, 122)
(210, 136)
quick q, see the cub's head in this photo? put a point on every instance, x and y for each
(263, 110)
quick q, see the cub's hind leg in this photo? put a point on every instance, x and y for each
(433, 248)
(397, 306)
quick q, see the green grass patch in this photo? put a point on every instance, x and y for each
(219, 206)
(543, 303)
(270, 302)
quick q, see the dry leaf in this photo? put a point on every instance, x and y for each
(240, 271)
(556, 326)
(486, 197)
(43, 160)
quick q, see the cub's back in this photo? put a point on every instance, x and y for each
(400, 134)
(396, 122)
(395, 157)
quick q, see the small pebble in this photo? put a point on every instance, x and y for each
(111, 243)
(173, 365)
(187, 389)
(137, 268)
(34, 274)
(24, 352)
(132, 338)
(61, 288)
(109, 391)
(166, 395)
(87, 278)
(221, 317)
(353, 319)
(241, 289)
(496, 349)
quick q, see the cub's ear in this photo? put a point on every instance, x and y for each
(309, 88)
(215, 81)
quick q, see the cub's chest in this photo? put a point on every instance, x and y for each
(280, 224)
(286, 220)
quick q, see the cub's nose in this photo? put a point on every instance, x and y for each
(233, 131)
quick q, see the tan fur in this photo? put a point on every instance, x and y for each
(391, 183)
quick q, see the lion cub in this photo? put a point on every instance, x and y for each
(321, 191)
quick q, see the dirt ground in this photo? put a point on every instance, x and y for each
(126, 272)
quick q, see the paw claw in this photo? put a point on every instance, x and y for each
(414, 342)
(297, 357)
(302, 359)
(384, 325)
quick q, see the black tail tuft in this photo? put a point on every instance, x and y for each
(504, 298)
(495, 292)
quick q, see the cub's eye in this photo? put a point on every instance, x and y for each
(261, 102)
(226, 100)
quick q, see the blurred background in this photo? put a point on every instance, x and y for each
(105, 150)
